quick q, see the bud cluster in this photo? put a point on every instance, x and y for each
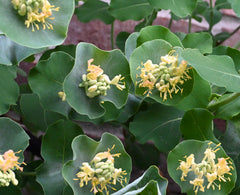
(166, 77)
(36, 11)
(101, 172)
(8, 162)
(7, 177)
(96, 83)
(207, 170)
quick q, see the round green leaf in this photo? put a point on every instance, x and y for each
(12, 25)
(233, 53)
(230, 142)
(131, 44)
(12, 137)
(197, 148)
(32, 112)
(84, 149)
(159, 124)
(219, 70)
(200, 95)
(136, 10)
(8, 87)
(56, 150)
(46, 80)
(149, 183)
(94, 9)
(158, 32)
(236, 6)
(202, 41)
(12, 53)
(153, 50)
(198, 124)
(181, 8)
(113, 63)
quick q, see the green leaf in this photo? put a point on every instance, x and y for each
(231, 52)
(84, 149)
(181, 8)
(8, 87)
(158, 32)
(149, 183)
(69, 49)
(230, 142)
(200, 95)
(131, 107)
(12, 53)
(236, 6)
(153, 50)
(219, 70)
(222, 4)
(113, 63)
(197, 148)
(159, 124)
(13, 25)
(46, 80)
(12, 136)
(56, 150)
(35, 117)
(136, 10)
(228, 110)
(143, 155)
(198, 124)
(33, 112)
(213, 16)
(121, 39)
(94, 9)
(202, 41)
(131, 44)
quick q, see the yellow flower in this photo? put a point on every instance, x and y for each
(165, 77)
(198, 183)
(207, 169)
(62, 95)
(37, 11)
(96, 83)
(101, 172)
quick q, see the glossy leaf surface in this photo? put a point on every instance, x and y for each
(84, 149)
(113, 63)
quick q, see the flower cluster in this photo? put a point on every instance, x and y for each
(96, 83)
(8, 162)
(207, 171)
(166, 77)
(37, 11)
(101, 172)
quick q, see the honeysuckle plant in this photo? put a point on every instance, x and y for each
(161, 94)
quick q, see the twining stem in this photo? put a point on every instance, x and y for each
(215, 105)
(170, 23)
(28, 173)
(211, 16)
(190, 24)
(231, 34)
(112, 35)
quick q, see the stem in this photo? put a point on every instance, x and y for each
(170, 23)
(216, 105)
(231, 34)
(28, 173)
(151, 18)
(112, 35)
(190, 24)
(211, 16)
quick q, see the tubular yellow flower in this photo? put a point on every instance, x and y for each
(207, 170)
(166, 77)
(36, 11)
(9, 162)
(101, 172)
(96, 83)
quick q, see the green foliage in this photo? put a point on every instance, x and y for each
(197, 148)
(15, 29)
(84, 149)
